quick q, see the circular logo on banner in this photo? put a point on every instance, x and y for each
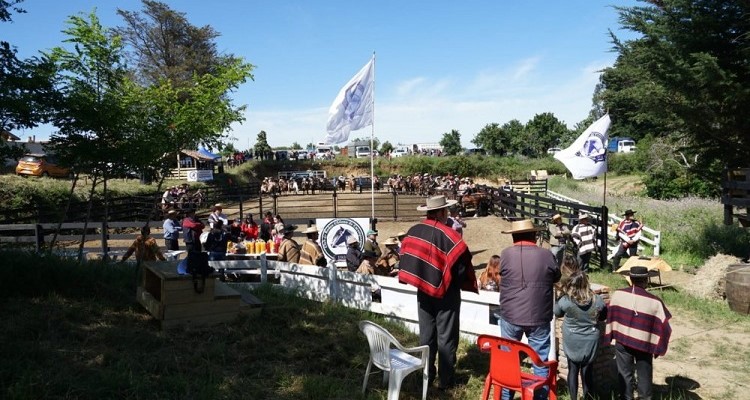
(336, 232)
(192, 176)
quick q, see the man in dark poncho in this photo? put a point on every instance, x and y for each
(437, 262)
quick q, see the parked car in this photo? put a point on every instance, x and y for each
(471, 152)
(40, 165)
(400, 152)
(303, 154)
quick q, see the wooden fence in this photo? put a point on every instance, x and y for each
(736, 196)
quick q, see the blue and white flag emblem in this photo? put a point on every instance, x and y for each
(353, 107)
(587, 156)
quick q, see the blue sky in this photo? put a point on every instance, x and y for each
(440, 65)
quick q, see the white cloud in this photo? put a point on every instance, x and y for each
(422, 108)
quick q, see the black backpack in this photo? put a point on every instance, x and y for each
(197, 265)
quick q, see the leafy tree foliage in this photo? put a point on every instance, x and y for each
(542, 132)
(386, 147)
(451, 143)
(296, 146)
(165, 46)
(90, 116)
(686, 79)
(25, 87)
(492, 138)
(261, 143)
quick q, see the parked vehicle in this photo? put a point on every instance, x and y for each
(40, 165)
(362, 152)
(472, 152)
(553, 150)
(621, 145)
(400, 151)
(303, 154)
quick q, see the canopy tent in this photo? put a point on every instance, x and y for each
(207, 154)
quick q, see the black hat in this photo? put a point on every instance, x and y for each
(289, 228)
(628, 212)
(637, 272)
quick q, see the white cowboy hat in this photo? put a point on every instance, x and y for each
(351, 240)
(311, 229)
(436, 203)
(522, 226)
(391, 242)
(583, 216)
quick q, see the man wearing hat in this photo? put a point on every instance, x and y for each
(629, 234)
(367, 265)
(437, 262)
(311, 253)
(371, 243)
(400, 237)
(192, 228)
(217, 214)
(353, 253)
(638, 322)
(171, 231)
(584, 236)
(288, 249)
(559, 233)
(387, 264)
(527, 275)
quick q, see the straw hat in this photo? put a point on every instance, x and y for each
(391, 242)
(522, 226)
(583, 216)
(172, 213)
(311, 229)
(351, 240)
(436, 203)
(556, 217)
(401, 234)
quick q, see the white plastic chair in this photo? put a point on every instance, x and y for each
(394, 359)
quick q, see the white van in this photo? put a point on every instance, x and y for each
(400, 151)
(363, 152)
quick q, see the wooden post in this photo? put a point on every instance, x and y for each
(263, 268)
(39, 233)
(335, 203)
(395, 205)
(105, 235)
(603, 238)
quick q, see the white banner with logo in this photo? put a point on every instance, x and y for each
(334, 232)
(200, 175)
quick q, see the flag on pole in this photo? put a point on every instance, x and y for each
(353, 107)
(587, 156)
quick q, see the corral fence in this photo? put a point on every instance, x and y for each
(532, 200)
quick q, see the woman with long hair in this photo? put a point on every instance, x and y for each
(489, 279)
(582, 309)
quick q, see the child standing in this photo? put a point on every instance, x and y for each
(582, 309)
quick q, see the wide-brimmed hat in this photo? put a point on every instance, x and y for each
(583, 216)
(400, 233)
(522, 226)
(351, 240)
(172, 212)
(289, 228)
(391, 242)
(628, 212)
(372, 232)
(637, 272)
(556, 217)
(436, 203)
(311, 229)
(219, 205)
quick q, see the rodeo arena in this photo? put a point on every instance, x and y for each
(338, 213)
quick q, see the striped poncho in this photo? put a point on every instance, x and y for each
(428, 253)
(639, 320)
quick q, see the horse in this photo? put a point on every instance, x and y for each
(475, 202)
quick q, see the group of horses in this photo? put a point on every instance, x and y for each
(304, 185)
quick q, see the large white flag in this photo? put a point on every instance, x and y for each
(587, 156)
(353, 107)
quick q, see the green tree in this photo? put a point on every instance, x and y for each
(26, 88)
(685, 77)
(296, 146)
(166, 46)
(542, 132)
(310, 146)
(386, 147)
(493, 138)
(451, 143)
(261, 143)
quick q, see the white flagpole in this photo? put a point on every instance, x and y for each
(372, 136)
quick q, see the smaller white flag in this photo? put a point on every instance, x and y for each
(353, 107)
(587, 156)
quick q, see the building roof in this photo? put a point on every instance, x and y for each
(9, 136)
(197, 155)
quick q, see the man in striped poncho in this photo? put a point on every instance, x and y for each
(437, 262)
(638, 321)
(584, 236)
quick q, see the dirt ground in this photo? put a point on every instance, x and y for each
(704, 360)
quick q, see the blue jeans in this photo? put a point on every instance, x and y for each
(538, 337)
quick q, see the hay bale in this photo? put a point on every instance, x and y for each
(709, 282)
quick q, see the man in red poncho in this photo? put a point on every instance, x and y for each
(437, 262)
